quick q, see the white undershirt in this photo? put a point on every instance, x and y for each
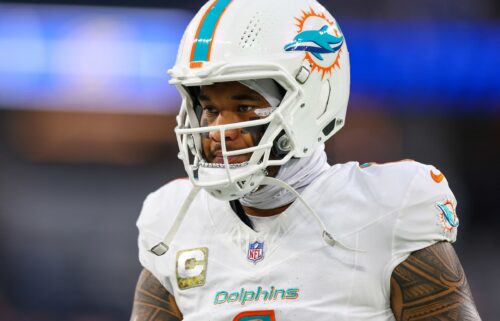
(297, 172)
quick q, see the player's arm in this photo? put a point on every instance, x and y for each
(152, 302)
(431, 285)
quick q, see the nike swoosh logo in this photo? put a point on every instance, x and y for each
(438, 178)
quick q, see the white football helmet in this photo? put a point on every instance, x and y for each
(298, 44)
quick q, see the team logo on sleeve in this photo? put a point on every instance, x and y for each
(255, 251)
(448, 215)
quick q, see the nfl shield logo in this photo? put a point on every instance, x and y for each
(255, 251)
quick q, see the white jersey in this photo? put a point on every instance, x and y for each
(219, 269)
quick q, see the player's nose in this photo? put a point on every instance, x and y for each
(225, 118)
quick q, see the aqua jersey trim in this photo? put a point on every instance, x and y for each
(205, 36)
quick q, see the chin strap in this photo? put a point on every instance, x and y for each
(327, 237)
(162, 247)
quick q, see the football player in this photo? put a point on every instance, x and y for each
(264, 228)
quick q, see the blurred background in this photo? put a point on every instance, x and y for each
(86, 132)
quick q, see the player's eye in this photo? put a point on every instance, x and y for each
(210, 111)
(245, 109)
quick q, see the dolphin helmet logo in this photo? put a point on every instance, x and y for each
(320, 38)
(317, 42)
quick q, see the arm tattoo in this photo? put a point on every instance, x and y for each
(152, 302)
(431, 286)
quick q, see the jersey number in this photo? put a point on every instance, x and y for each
(265, 315)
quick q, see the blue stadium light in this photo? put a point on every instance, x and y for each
(455, 64)
(88, 58)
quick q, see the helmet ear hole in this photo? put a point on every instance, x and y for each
(281, 146)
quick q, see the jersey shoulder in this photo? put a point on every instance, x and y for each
(157, 215)
(412, 200)
(390, 185)
(395, 208)
(427, 208)
(410, 181)
(161, 207)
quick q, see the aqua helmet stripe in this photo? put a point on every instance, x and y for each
(203, 41)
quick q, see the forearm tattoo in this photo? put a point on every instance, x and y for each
(431, 285)
(152, 302)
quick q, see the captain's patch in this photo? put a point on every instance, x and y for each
(191, 267)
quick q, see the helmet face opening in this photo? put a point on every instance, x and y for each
(229, 103)
(227, 133)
